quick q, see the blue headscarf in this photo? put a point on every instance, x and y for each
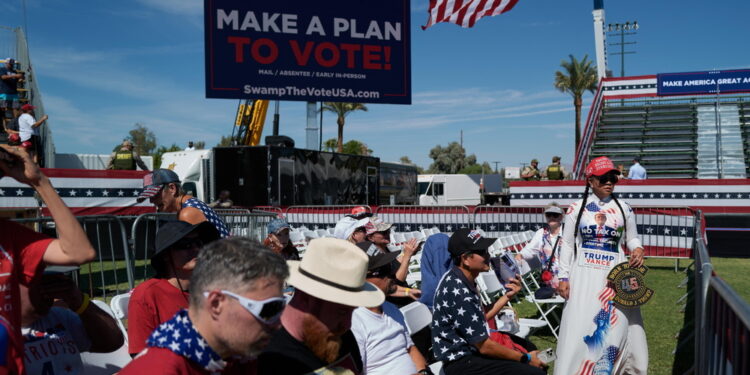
(436, 261)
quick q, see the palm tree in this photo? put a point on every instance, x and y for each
(342, 110)
(581, 76)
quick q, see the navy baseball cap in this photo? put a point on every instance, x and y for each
(153, 182)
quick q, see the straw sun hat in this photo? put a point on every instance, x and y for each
(334, 270)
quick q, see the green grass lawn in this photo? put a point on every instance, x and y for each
(733, 271)
(663, 317)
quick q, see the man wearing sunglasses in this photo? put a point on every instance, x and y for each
(384, 343)
(156, 300)
(235, 304)
(459, 330)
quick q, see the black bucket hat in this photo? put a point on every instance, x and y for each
(171, 232)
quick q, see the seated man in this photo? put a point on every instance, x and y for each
(156, 300)
(235, 305)
(459, 330)
(315, 335)
(55, 336)
(384, 343)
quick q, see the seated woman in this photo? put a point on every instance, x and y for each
(157, 300)
(278, 240)
(546, 244)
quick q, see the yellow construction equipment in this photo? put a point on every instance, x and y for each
(251, 116)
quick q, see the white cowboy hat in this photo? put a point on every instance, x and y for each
(334, 270)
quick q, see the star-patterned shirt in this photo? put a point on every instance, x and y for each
(210, 215)
(457, 320)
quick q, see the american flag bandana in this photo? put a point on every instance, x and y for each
(179, 336)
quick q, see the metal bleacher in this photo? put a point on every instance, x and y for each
(666, 134)
(13, 44)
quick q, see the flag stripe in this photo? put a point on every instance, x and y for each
(465, 13)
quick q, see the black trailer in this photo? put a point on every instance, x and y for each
(398, 184)
(284, 176)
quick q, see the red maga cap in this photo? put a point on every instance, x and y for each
(27, 107)
(600, 166)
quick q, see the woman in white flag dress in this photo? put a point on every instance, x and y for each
(596, 336)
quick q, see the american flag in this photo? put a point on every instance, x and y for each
(587, 368)
(465, 13)
(605, 298)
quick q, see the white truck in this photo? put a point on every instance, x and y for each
(458, 189)
(194, 169)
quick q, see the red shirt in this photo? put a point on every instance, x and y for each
(152, 303)
(21, 252)
(163, 361)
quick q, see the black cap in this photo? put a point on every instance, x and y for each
(380, 260)
(465, 240)
(174, 230)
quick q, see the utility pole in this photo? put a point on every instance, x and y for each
(622, 29)
(496, 163)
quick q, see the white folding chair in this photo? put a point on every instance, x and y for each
(330, 231)
(106, 363)
(398, 239)
(322, 233)
(419, 236)
(435, 230)
(427, 232)
(437, 368)
(416, 316)
(119, 306)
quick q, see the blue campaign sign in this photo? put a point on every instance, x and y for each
(326, 50)
(725, 81)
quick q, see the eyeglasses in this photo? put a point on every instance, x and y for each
(607, 178)
(552, 215)
(267, 311)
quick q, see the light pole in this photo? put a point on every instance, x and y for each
(622, 29)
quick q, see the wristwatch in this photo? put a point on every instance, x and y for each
(525, 358)
(425, 371)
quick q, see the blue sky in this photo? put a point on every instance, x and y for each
(104, 65)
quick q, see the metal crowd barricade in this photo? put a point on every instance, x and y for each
(413, 218)
(722, 320)
(500, 221)
(111, 272)
(269, 209)
(668, 232)
(318, 217)
(143, 235)
(245, 223)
